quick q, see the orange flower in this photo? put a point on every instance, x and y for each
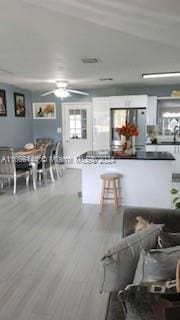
(129, 130)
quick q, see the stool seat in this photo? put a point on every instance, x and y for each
(108, 179)
(110, 176)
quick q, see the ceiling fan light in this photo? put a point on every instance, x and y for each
(62, 84)
(61, 93)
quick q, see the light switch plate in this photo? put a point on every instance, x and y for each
(59, 130)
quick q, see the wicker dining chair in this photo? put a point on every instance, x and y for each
(8, 168)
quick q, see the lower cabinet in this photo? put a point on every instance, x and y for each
(173, 149)
(151, 148)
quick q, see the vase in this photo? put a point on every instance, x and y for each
(128, 146)
(134, 145)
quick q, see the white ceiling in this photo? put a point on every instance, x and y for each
(44, 40)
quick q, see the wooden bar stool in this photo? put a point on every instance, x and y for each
(108, 180)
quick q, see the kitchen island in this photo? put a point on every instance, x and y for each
(145, 178)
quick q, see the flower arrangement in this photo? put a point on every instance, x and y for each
(128, 131)
(48, 109)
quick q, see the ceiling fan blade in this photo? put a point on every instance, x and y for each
(78, 92)
(46, 93)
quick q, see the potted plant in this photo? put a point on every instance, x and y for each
(176, 200)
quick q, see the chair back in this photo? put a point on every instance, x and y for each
(48, 155)
(59, 150)
(42, 142)
(7, 161)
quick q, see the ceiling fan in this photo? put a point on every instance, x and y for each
(62, 92)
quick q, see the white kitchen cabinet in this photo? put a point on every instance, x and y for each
(165, 148)
(151, 147)
(176, 154)
(151, 112)
(101, 123)
(118, 102)
(138, 101)
(131, 101)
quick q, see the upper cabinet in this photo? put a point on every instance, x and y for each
(101, 123)
(151, 113)
(131, 101)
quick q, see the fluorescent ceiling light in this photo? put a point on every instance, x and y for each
(160, 75)
(171, 115)
(61, 93)
(62, 84)
(5, 71)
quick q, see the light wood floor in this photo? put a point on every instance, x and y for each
(50, 251)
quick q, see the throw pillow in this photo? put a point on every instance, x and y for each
(167, 239)
(141, 224)
(120, 262)
(157, 265)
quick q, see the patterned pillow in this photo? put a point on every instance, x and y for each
(141, 224)
(157, 265)
(167, 239)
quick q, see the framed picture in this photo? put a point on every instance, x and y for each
(44, 110)
(19, 104)
(3, 110)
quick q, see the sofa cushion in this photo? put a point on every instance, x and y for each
(140, 304)
(120, 262)
(157, 265)
(167, 239)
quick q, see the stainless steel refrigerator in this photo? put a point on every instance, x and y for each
(120, 117)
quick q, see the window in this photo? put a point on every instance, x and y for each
(78, 124)
(168, 117)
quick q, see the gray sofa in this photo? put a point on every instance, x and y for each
(170, 218)
(116, 309)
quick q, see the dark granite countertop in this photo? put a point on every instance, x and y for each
(140, 155)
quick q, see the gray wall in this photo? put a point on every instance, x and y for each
(48, 128)
(16, 132)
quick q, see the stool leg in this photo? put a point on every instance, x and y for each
(115, 194)
(118, 192)
(108, 187)
(102, 194)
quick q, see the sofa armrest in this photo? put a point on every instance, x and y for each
(169, 217)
